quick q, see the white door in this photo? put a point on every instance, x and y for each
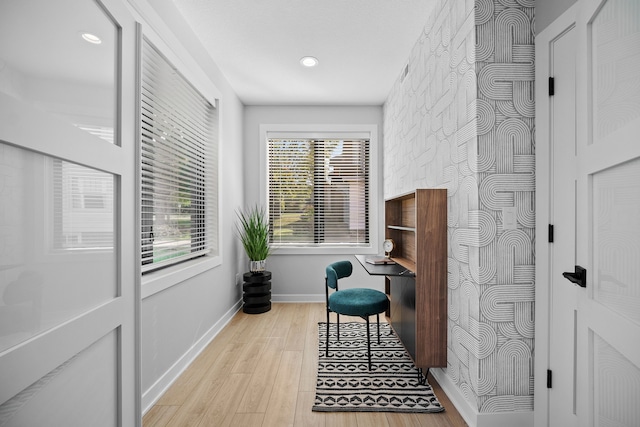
(562, 212)
(556, 298)
(608, 213)
(589, 135)
(68, 273)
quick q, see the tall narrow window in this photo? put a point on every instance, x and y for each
(179, 166)
(319, 191)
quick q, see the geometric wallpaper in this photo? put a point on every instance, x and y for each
(462, 118)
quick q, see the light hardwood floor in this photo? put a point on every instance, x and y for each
(261, 371)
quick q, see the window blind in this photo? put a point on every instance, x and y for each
(178, 166)
(318, 191)
(82, 207)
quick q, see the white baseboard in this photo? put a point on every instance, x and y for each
(455, 395)
(471, 416)
(298, 298)
(151, 395)
(505, 419)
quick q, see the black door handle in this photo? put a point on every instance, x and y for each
(579, 277)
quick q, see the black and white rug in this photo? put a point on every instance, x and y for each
(345, 382)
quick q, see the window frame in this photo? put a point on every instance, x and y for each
(326, 131)
(158, 280)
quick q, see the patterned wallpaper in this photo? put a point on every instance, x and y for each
(463, 119)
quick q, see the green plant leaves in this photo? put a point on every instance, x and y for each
(253, 230)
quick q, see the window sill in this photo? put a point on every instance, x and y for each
(158, 281)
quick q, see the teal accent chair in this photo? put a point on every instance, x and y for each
(361, 302)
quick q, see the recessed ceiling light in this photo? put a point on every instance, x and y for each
(309, 61)
(91, 38)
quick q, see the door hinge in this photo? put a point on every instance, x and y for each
(550, 233)
(549, 375)
(552, 86)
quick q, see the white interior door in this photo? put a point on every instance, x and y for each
(589, 338)
(608, 212)
(68, 270)
(562, 212)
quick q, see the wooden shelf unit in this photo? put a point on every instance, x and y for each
(417, 223)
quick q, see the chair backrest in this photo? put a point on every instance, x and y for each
(336, 271)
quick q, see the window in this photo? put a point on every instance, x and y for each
(82, 207)
(318, 191)
(178, 166)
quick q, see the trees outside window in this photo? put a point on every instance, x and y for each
(319, 191)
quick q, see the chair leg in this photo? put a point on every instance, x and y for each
(326, 353)
(378, 319)
(368, 343)
(338, 323)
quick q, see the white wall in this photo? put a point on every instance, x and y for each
(548, 10)
(176, 323)
(301, 277)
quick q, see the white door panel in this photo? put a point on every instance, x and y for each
(76, 379)
(608, 207)
(68, 271)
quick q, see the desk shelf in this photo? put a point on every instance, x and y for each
(417, 223)
(406, 263)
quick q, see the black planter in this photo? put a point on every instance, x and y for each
(257, 292)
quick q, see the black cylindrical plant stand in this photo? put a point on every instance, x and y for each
(257, 292)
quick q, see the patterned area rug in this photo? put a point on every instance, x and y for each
(346, 384)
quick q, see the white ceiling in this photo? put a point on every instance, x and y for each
(362, 46)
(50, 45)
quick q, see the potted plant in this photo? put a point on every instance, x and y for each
(253, 230)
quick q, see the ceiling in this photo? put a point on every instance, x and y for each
(51, 46)
(362, 46)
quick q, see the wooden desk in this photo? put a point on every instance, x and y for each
(417, 321)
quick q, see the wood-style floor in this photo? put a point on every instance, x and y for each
(261, 371)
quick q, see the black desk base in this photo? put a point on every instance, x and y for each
(400, 286)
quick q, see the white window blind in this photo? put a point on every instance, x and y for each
(178, 166)
(82, 207)
(319, 191)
